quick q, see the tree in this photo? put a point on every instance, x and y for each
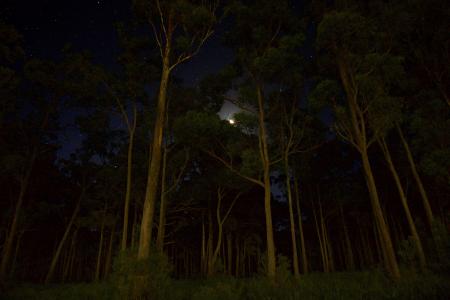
(350, 39)
(28, 138)
(180, 29)
(265, 40)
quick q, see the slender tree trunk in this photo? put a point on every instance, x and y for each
(155, 161)
(209, 248)
(71, 255)
(11, 235)
(349, 257)
(359, 138)
(162, 208)
(386, 241)
(100, 247)
(423, 193)
(55, 259)
(264, 154)
(203, 260)
(300, 227)
(110, 250)
(220, 222)
(291, 217)
(16, 252)
(237, 270)
(128, 187)
(412, 226)
(230, 253)
(321, 244)
(134, 229)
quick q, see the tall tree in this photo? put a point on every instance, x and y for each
(359, 58)
(180, 29)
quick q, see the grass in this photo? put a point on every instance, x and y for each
(358, 285)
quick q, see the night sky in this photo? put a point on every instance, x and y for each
(48, 25)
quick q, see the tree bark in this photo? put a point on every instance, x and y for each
(264, 154)
(423, 193)
(300, 227)
(404, 201)
(349, 257)
(291, 217)
(360, 141)
(100, 247)
(10, 237)
(162, 208)
(128, 187)
(155, 161)
(55, 259)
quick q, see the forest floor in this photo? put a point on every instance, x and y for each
(356, 285)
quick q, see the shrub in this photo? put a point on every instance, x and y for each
(133, 278)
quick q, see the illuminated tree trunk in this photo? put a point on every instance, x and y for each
(360, 141)
(412, 226)
(11, 236)
(264, 154)
(100, 247)
(162, 207)
(71, 255)
(423, 193)
(220, 222)
(110, 250)
(55, 259)
(348, 253)
(291, 216)
(155, 162)
(300, 227)
(129, 178)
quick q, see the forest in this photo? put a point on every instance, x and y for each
(315, 164)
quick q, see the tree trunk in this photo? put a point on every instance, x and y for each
(16, 252)
(348, 252)
(155, 162)
(128, 187)
(55, 259)
(323, 252)
(386, 242)
(264, 154)
(203, 260)
(110, 250)
(300, 227)
(100, 247)
(11, 235)
(412, 226)
(230, 253)
(209, 244)
(423, 193)
(162, 207)
(291, 217)
(359, 137)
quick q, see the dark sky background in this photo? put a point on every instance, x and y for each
(48, 25)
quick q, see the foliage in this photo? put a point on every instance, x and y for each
(362, 285)
(153, 272)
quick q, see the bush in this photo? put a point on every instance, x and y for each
(132, 278)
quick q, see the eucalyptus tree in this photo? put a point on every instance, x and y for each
(353, 45)
(121, 92)
(266, 38)
(180, 29)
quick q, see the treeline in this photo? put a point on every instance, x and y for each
(338, 158)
